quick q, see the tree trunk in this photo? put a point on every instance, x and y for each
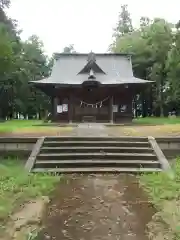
(161, 102)
(161, 111)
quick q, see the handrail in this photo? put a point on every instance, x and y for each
(35, 151)
(160, 156)
(18, 139)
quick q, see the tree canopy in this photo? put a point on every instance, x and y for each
(69, 49)
(155, 49)
(4, 3)
(20, 63)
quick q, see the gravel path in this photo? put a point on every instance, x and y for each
(90, 130)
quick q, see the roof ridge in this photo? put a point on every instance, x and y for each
(58, 55)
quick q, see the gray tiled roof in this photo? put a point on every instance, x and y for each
(117, 68)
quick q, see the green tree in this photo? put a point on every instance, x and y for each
(4, 3)
(20, 63)
(34, 67)
(172, 88)
(7, 65)
(124, 24)
(150, 46)
(69, 49)
(144, 22)
(159, 38)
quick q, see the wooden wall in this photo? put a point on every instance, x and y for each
(78, 111)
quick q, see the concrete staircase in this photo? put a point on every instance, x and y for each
(95, 154)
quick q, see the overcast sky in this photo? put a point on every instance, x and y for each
(87, 24)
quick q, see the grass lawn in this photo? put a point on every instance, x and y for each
(29, 126)
(18, 186)
(156, 121)
(12, 125)
(165, 194)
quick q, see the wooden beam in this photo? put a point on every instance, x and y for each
(35, 151)
(160, 156)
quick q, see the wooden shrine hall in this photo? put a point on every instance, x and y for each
(91, 88)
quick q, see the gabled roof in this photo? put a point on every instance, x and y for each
(91, 64)
(68, 69)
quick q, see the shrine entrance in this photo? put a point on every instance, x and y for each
(92, 111)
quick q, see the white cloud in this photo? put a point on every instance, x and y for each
(86, 24)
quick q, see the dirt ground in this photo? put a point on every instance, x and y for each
(38, 133)
(155, 131)
(25, 223)
(97, 207)
(159, 130)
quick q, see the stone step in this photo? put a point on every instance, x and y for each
(96, 163)
(92, 138)
(99, 155)
(97, 170)
(95, 143)
(96, 149)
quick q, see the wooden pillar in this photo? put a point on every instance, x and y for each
(111, 109)
(54, 107)
(70, 110)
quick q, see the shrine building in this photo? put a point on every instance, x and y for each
(92, 88)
